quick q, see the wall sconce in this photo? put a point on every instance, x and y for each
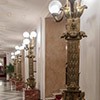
(27, 38)
(72, 9)
(71, 13)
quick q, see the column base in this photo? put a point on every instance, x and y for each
(73, 95)
(19, 85)
(32, 94)
(58, 96)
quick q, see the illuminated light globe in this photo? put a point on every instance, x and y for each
(16, 47)
(17, 52)
(23, 44)
(21, 47)
(54, 6)
(1, 82)
(26, 34)
(12, 57)
(33, 34)
(66, 47)
(26, 41)
(0, 64)
(12, 53)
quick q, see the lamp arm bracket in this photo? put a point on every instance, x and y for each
(59, 17)
(82, 34)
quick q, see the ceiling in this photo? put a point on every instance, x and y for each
(16, 17)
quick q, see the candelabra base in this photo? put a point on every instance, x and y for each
(20, 85)
(32, 94)
(31, 82)
(19, 77)
(73, 95)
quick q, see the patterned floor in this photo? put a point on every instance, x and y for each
(7, 92)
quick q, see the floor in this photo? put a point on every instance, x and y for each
(7, 91)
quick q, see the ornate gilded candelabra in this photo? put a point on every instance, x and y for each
(19, 74)
(31, 80)
(71, 12)
(14, 63)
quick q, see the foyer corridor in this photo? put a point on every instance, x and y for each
(7, 92)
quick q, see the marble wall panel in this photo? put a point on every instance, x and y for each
(55, 56)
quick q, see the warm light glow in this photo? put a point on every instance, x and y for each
(0, 64)
(33, 34)
(66, 47)
(12, 57)
(26, 41)
(26, 34)
(21, 47)
(1, 83)
(17, 47)
(23, 44)
(12, 53)
(54, 6)
(17, 52)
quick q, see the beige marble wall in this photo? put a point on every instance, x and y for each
(55, 56)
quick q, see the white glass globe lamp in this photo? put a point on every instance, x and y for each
(13, 57)
(33, 34)
(54, 7)
(12, 53)
(17, 47)
(26, 34)
(15, 53)
(21, 47)
(26, 41)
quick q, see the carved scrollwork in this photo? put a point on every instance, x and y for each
(31, 82)
(73, 30)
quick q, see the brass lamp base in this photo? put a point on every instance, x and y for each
(19, 77)
(31, 82)
(73, 95)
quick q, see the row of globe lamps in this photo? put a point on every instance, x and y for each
(27, 39)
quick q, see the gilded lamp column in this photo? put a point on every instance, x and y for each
(15, 67)
(19, 72)
(71, 13)
(73, 36)
(31, 80)
(30, 58)
(14, 64)
(29, 45)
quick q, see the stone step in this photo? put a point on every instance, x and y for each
(61, 90)
(50, 98)
(58, 96)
